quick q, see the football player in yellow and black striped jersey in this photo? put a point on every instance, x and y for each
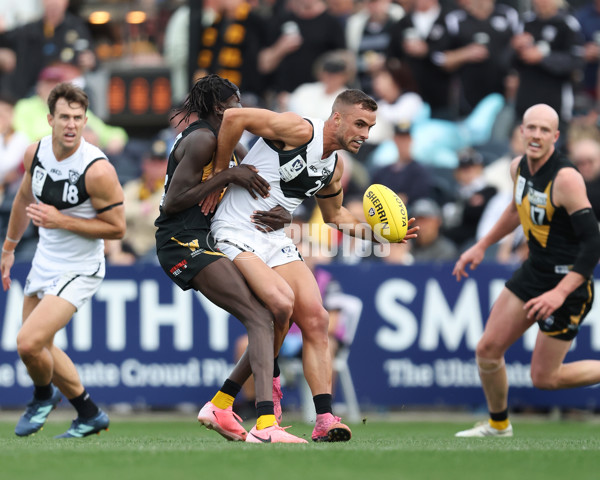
(554, 285)
(186, 251)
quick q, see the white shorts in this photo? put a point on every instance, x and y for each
(274, 250)
(75, 287)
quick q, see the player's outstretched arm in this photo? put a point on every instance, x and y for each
(508, 221)
(287, 129)
(330, 200)
(472, 257)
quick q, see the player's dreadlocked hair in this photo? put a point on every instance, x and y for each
(206, 93)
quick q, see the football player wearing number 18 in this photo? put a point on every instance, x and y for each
(553, 287)
(71, 192)
(297, 156)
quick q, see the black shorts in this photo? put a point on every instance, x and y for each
(186, 254)
(528, 282)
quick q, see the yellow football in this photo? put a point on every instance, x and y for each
(385, 213)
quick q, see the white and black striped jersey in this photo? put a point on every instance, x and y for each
(62, 184)
(294, 175)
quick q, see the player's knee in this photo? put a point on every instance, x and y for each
(488, 350)
(27, 348)
(315, 323)
(543, 382)
(487, 366)
(543, 379)
(281, 305)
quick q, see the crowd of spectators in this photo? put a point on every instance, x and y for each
(452, 79)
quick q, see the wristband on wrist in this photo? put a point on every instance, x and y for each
(7, 251)
(12, 240)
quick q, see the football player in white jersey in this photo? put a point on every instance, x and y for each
(297, 156)
(186, 251)
(72, 194)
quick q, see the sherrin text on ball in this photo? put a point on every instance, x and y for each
(385, 213)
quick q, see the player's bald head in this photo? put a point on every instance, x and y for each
(541, 111)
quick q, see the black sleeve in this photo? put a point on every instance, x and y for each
(586, 228)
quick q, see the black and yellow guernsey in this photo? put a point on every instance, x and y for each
(553, 245)
(192, 217)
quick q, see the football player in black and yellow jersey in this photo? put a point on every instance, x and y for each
(186, 251)
(554, 285)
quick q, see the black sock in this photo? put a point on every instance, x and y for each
(85, 406)
(500, 416)
(264, 408)
(42, 392)
(231, 388)
(323, 403)
(276, 371)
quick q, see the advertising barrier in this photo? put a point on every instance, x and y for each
(142, 340)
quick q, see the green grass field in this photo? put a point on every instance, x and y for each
(176, 448)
